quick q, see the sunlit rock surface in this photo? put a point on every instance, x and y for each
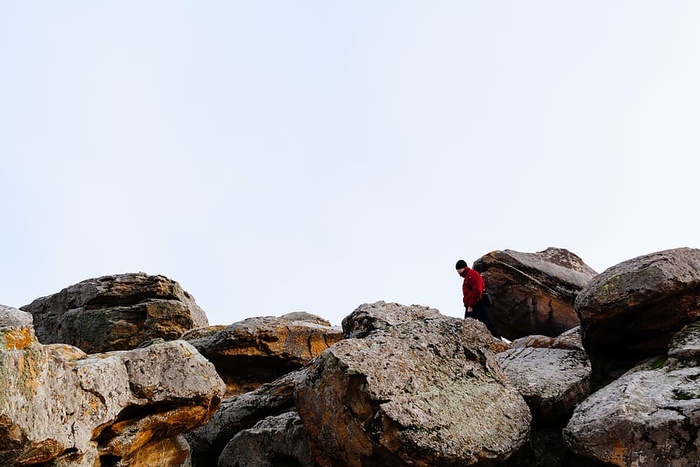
(116, 312)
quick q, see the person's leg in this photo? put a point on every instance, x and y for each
(481, 312)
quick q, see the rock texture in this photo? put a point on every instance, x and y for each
(650, 416)
(115, 313)
(260, 350)
(61, 406)
(634, 308)
(240, 413)
(569, 340)
(421, 393)
(274, 441)
(552, 381)
(533, 293)
(10, 316)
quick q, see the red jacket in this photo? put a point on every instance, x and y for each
(472, 287)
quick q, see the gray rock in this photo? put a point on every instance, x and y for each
(239, 413)
(533, 293)
(115, 313)
(273, 442)
(378, 316)
(650, 416)
(423, 392)
(569, 340)
(552, 381)
(632, 310)
(13, 317)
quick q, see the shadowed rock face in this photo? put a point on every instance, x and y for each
(632, 309)
(533, 293)
(59, 405)
(115, 313)
(425, 392)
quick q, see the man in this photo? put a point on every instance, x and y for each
(473, 291)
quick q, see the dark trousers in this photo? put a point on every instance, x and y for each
(481, 312)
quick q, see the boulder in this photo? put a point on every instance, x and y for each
(10, 316)
(650, 416)
(552, 381)
(259, 350)
(381, 316)
(533, 293)
(115, 313)
(631, 310)
(569, 340)
(61, 406)
(238, 413)
(420, 393)
(274, 441)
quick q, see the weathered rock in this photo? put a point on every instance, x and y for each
(632, 310)
(533, 293)
(569, 340)
(380, 316)
(115, 313)
(59, 405)
(684, 349)
(201, 333)
(552, 381)
(10, 316)
(259, 350)
(274, 441)
(420, 393)
(240, 413)
(650, 416)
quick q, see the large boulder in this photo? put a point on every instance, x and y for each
(116, 312)
(650, 416)
(632, 310)
(420, 393)
(259, 350)
(533, 293)
(63, 407)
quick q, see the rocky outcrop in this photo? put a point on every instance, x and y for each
(533, 293)
(116, 312)
(259, 350)
(632, 310)
(424, 392)
(61, 406)
(650, 416)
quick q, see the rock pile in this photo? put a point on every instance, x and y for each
(604, 370)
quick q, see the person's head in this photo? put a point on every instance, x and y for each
(461, 266)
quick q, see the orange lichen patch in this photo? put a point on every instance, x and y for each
(617, 456)
(18, 338)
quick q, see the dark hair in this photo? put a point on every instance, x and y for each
(461, 264)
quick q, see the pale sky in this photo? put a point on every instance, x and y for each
(278, 156)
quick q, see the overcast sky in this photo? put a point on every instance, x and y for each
(278, 156)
